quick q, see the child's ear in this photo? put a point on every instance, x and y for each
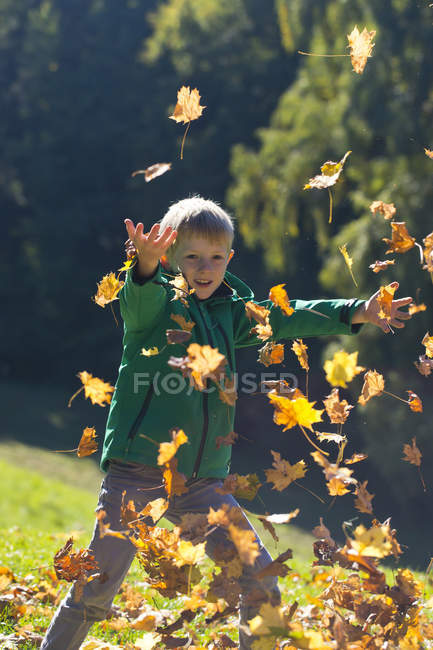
(230, 255)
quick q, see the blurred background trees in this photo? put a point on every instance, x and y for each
(86, 91)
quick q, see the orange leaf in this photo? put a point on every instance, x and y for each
(428, 153)
(168, 449)
(180, 320)
(428, 252)
(355, 458)
(174, 482)
(245, 542)
(414, 402)
(428, 342)
(108, 288)
(374, 384)
(387, 209)
(284, 473)
(401, 241)
(96, 389)
(384, 300)
(414, 309)
(380, 266)
(153, 171)
(188, 106)
(181, 289)
(271, 353)
(87, 444)
(204, 362)
(227, 391)
(300, 349)
(337, 487)
(412, 453)
(361, 45)
(363, 499)
(258, 312)
(155, 509)
(279, 297)
(338, 411)
(72, 566)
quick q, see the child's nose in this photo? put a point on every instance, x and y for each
(204, 264)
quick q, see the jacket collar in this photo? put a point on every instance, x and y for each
(231, 289)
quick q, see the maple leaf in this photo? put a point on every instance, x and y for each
(155, 509)
(279, 297)
(348, 260)
(342, 368)
(227, 391)
(428, 252)
(338, 411)
(174, 482)
(245, 542)
(361, 45)
(384, 300)
(428, 342)
(380, 265)
(388, 210)
(412, 453)
(414, 402)
(177, 336)
(187, 553)
(127, 265)
(242, 487)
(181, 289)
(284, 473)
(428, 153)
(153, 171)
(401, 241)
(71, 566)
(271, 353)
(269, 623)
(372, 542)
(330, 174)
(150, 352)
(204, 362)
(424, 365)
(168, 449)
(227, 440)
(414, 309)
(300, 349)
(337, 476)
(363, 499)
(96, 389)
(108, 288)
(337, 487)
(180, 320)
(374, 384)
(87, 444)
(290, 412)
(188, 108)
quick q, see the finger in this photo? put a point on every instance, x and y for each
(403, 301)
(153, 233)
(403, 315)
(130, 228)
(397, 324)
(168, 237)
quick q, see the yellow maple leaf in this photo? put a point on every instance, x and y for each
(428, 342)
(428, 152)
(204, 362)
(361, 45)
(168, 449)
(330, 174)
(342, 368)
(300, 349)
(188, 108)
(290, 412)
(284, 473)
(96, 389)
(269, 621)
(150, 352)
(245, 542)
(279, 297)
(108, 288)
(373, 542)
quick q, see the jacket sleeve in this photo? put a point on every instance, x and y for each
(142, 300)
(310, 318)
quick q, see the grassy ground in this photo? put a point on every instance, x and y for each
(42, 506)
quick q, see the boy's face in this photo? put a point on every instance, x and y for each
(203, 263)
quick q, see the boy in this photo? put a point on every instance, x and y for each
(194, 237)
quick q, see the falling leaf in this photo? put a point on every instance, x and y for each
(174, 482)
(181, 289)
(361, 45)
(263, 329)
(279, 297)
(337, 487)
(415, 309)
(348, 260)
(342, 368)
(245, 542)
(242, 487)
(188, 108)
(153, 171)
(414, 402)
(401, 241)
(71, 566)
(292, 412)
(372, 542)
(284, 473)
(280, 387)
(374, 384)
(300, 349)
(280, 519)
(168, 449)
(428, 253)
(338, 477)
(412, 453)
(227, 440)
(322, 436)
(227, 391)
(180, 320)
(155, 509)
(380, 265)
(330, 174)
(177, 336)
(98, 390)
(428, 342)
(355, 458)
(428, 153)
(108, 288)
(388, 210)
(150, 352)
(384, 300)
(87, 444)
(363, 499)
(127, 265)
(271, 353)
(424, 366)
(204, 362)
(338, 411)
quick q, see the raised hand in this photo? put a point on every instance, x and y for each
(369, 312)
(150, 246)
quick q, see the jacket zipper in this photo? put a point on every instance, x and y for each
(144, 408)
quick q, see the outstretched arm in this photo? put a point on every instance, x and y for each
(368, 312)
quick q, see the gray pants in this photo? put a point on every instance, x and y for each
(73, 619)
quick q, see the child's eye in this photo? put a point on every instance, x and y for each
(218, 257)
(191, 256)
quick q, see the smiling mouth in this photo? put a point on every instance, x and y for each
(203, 283)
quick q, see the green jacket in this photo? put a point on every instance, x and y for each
(151, 398)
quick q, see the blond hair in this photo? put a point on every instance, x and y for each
(200, 217)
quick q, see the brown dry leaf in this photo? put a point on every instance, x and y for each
(428, 153)
(412, 453)
(186, 325)
(374, 384)
(424, 365)
(258, 312)
(177, 336)
(108, 288)
(361, 45)
(153, 171)
(204, 362)
(155, 509)
(181, 289)
(71, 566)
(168, 449)
(380, 265)
(401, 241)
(280, 387)
(338, 411)
(87, 444)
(414, 309)
(334, 474)
(355, 458)
(415, 402)
(363, 499)
(188, 106)
(300, 349)
(227, 391)
(284, 473)
(428, 252)
(321, 531)
(348, 260)
(388, 210)
(227, 440)
(342, 368)
(174, 482)
(245, 542)
(330, 174)
(428, 342)
(290, 412)
(96, 389)
(271, 353)
(279, 297)
(384, 300)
